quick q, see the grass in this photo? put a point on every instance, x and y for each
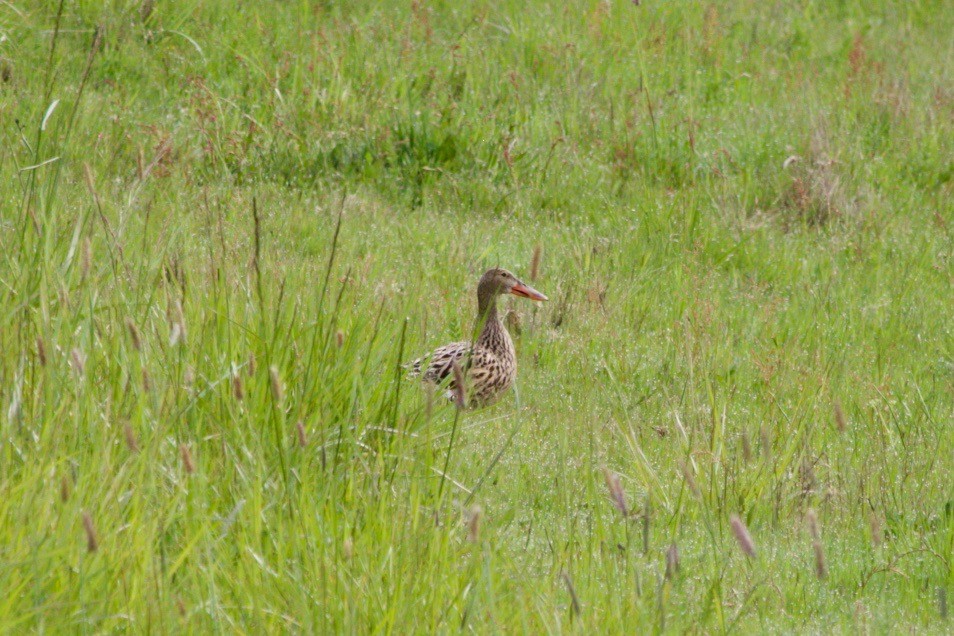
(224, 226)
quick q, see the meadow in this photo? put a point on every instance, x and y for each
(224, 226)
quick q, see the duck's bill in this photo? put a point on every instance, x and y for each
(525, 291)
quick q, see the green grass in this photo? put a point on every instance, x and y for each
(744, 214)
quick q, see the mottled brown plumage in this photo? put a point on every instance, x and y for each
(490, 362)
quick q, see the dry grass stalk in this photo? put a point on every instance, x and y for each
(181, 607)
(146, 380)
(134, 334)
(474, 514)
(302, 436)
(457, 390)
(187, 463)
(742, 536)
(278, 391)
(575, 601)
(617, 496)
(92, 544)
(535, 263)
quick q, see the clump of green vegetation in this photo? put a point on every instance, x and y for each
(226, 225)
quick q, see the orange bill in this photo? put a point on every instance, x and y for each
(526, 291)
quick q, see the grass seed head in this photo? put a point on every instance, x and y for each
(64, 488)
(617, 496)
(237, 391)
(690, 480)
(339, 338)
(347, 548)
(811, 520)
(821, 568)
(672, 561)
(92, 544)
(840, 420)
(746, 447)
(41, 351)
(535, 263)
(175, 335)
(187, 463)
(742, 536)
(87, 257)
(79, 361)
(473, 523)
(134, 334)
(252, 365)
(877, 534)
(278, 392)
(131, 442)
(302, 436)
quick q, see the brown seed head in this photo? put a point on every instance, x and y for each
(41, 351)
(339, 338)
(134, 334)
(821, 569)
(91, 543)
(87, 257)
(131, 442)
(535, 263)
(186, 459)
(237, 390)
(64, 488)
(840, 420)
(742, 536)
(302, 436)
(252, 365)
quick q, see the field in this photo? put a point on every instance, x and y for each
(224, 226)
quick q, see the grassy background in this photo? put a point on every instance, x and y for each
(744, 215)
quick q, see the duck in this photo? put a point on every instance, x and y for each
(489, 363)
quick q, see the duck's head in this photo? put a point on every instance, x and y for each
(498, 281)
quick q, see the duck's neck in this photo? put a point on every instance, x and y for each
(488, 321)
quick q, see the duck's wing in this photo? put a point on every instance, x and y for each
(437, 365)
